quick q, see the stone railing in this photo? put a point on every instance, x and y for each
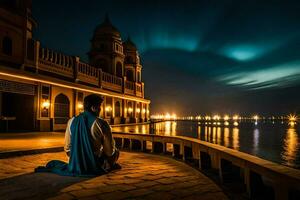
(111, 82)
(57, 63)
(88, 74)
(129, 87)
(50, 62)
(139, 89)
(248, 171)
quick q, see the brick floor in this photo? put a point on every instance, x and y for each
(143, 176)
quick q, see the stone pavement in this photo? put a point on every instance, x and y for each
(143, 176)
(14, 142)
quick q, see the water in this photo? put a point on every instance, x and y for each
(276, 142)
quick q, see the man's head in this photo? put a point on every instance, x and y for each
(92, 103)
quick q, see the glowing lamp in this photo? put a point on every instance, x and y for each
(255, 117)
(46, 104)
(108, 108)
(226, 117)
(235, 117)
(144, 110)
(80, 106)
(216, 117)
(130, 110)
(292, 118)
(138, 110)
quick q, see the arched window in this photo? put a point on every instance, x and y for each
(7, 45)
(61, 109)
(117, 109)
(103, 64)
(139, 78)
(129, 75)
(119, 70)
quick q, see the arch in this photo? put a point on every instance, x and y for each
(129, 75)
(103, 64)
(61, 109)
(117, 109)
(139, 78)
(129, 109)
(7, 45)
(119, 69)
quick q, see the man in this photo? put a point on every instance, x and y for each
(88, 143)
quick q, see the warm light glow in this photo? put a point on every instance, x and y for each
(216, 117)
(74, 87)
(207, 117)
(226, 123)
(255, 117)
(80, 106)
(46, 104)
(235, 123)
(235, 117)
(292, 123)
(226, 117)
(138, 110)
(130, 110)
(292, 118)
(108, 108)
(144, 110)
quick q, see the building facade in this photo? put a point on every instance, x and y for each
(40, 89)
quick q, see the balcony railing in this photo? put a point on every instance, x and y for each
(139, 89)
(57, 63)
(129, 87)
(49, 62)
(88, 74)
(111, 82)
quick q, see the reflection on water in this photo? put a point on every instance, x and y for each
(255, 141)
(290, 146)
(274, 142)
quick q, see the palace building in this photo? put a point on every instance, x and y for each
(41, 89)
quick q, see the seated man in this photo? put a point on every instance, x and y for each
(88, 143)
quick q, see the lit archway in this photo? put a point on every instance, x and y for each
(61, 109)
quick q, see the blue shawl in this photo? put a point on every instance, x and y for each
(82, 161)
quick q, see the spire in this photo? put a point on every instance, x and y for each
(107, 19)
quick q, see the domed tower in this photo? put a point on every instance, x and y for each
(107, 49)
(133, 68)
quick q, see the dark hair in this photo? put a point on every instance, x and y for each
(92, 100)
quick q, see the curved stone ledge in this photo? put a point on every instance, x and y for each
(252, 171)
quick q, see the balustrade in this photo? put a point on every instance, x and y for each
(51, 61)
(231, 165)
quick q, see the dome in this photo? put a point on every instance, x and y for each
(106, 28)
(129, 45)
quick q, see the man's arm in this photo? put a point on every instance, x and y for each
(104, 131)
(67, 146)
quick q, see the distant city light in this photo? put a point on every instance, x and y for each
(216, 117)
(255, 117)
(226, 117)
(235, 117)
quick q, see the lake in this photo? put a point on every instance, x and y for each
(276, 142)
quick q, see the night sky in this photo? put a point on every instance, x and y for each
(213, 56)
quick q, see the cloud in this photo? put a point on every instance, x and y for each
(277, 76)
